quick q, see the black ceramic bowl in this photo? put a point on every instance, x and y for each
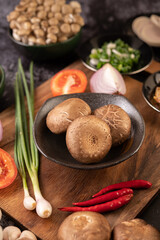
(148, 90)
(47, 52)
(53, 146)
(146, 53)
(2, 81)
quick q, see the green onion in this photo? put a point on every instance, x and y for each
(28, 202)
(26, 153)
(118, 53)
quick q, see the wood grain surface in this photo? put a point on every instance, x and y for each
(62, 186)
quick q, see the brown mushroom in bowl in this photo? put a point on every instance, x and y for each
(118, 120)
(60, 117)
(88, 139)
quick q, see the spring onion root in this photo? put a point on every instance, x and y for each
(26, 153)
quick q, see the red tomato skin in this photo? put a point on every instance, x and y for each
(57, 86)
(12, 174)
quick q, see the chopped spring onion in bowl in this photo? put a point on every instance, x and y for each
(118, 53)
(136, 48)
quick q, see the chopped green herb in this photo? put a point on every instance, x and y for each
(118, 53)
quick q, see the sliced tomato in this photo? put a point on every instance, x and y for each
(8, 170)
(68, 81)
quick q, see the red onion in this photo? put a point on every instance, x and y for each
(1, 131)
(107, 80)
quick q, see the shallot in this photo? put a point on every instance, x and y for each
(107, 80)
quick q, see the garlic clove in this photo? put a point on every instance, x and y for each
(27, 235)
(11, 233)
(1, 233)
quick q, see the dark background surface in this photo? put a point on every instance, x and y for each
(103, 16)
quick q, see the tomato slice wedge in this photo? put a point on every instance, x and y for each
(8, 170)
(68, 81)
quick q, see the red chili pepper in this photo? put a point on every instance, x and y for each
(128, 184)
(104, 207)
(105, 198)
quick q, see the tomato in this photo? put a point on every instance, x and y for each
(68, 81)
(8, 170)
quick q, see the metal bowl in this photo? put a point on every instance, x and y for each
(148, 90)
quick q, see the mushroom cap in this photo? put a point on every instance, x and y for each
(84, 226)
(75, 4)
(118, 120)
(88, 139)
(75, 28)
(59, 118)
(135, 229)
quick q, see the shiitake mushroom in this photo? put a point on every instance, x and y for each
(135, 229)
(59, 118)
(118, 120)
(88, 139)
(84, 226)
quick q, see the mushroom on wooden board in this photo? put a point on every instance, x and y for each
(135, 229)
(84, 225)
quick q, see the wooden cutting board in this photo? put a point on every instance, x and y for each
(62, 185)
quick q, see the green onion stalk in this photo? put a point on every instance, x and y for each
(26, 153)
(28, 202)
